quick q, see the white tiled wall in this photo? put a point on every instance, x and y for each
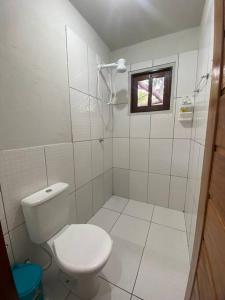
(85, 162)
(151, 150)
(198, 132)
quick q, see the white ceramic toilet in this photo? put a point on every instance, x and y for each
(80, 250)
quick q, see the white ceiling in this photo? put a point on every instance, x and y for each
(122, 23)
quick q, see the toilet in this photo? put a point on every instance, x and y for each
(80, 250)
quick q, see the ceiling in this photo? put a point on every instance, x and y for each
(122, 23)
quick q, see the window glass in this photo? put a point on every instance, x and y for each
(157, 91)
(143, 88)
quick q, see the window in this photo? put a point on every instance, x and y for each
(151, 91)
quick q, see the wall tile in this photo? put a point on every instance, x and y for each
(121, 182)
(104, 83)
(180, 158)
(199, 174)
(38, 81)
(82, 160)
(138, 186)
(108, 154)
(120, 120)
(121, 87)
(73, 208)
(98, 193)
(187, 73)
(158, 189)
(160, 156)
(182, 129)
(93, 61)
(60, 166)
(108, 184)
(96, 118)
(192, 232)
(141, 65)
(177, 193)
(97, 158)
(193, 162)
(84, 203)
(139, 154)
(2, 216)
(24, 249)
(9, 249)
(77, 62)
(140, 126)
(80, 114)
(162, 125)
(188, 209)
(108, 120)
(22, 173)
(121, 153)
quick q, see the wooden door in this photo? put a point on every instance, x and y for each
(207, 275)
(7, 288)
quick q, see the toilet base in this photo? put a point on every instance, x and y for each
(85, 287)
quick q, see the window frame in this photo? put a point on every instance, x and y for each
(151, 74)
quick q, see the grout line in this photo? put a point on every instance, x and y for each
(101, 276)
(71, 124)
(7, 225)
(125, 214)
(89, 181)
(46, 167)
(142, 253)
(153, 173)
(119, 215)
(148, 176)
(167, 226)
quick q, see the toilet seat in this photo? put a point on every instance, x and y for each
(82, 249)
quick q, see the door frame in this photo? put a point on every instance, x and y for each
(215, 93)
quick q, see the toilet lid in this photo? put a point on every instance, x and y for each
(82, 248)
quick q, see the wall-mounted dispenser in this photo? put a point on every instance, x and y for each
(186, 110)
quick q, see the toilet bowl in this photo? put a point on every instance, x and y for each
(80, 250)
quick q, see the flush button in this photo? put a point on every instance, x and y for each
(48, 190)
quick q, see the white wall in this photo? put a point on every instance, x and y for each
(34, 80)
(49, 115)
(186, 40)
(151, 150)
(200, 121)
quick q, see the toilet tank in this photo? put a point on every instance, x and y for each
(46, 212)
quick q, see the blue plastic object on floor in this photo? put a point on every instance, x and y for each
(28, 281)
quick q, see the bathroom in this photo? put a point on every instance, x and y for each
(68, 115)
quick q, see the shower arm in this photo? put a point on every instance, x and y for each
(106, 66)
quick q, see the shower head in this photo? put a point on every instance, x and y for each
(120, 66)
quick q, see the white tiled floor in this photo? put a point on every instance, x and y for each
(149, 260)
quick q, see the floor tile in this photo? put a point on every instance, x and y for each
(53, 287)
(168, 241)
(116, 203)
(169, 217)
(139, 210)
(131, 229)
(122, 267)
(160, 277)
(105, 219)
(107, 291)
(135, 298)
